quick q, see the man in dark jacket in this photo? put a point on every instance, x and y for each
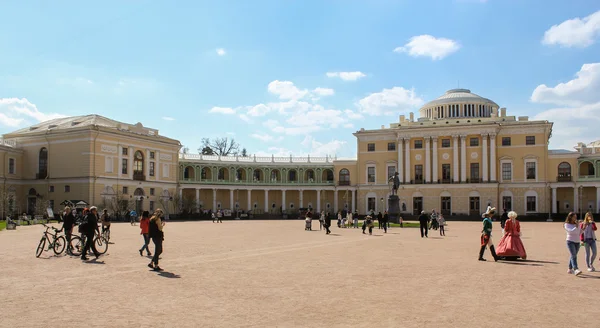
(384, 221)
(379, 219)
(327, 223)
(423, 222)
(91, 227)
(68, 223)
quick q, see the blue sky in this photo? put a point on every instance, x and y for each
(258, 70)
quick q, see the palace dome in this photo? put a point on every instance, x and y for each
(458, 103)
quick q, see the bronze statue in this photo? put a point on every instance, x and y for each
(396, 183)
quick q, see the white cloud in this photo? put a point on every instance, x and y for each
(429, 46)
(245, 118)
(286, 90)
(353, 115)
(317, 148)
(221, 51)
(577, 114)
(259, 110)
(323, 92)
(222, 110)
(167, 118)
(583, 89)
(389, 101)
(576, 32)
(347, 76)
(15, 112)
(266, 137)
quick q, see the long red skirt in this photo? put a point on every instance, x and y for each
(511, 245)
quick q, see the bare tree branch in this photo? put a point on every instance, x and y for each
(219, 146)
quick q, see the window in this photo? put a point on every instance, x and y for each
(418, 173)
(151, 155)
(124, 152)
(418, 144)
(221, 174)
(50, 188)
(151, 169)
(256, 174)
(67, 188)
(125, 190)
(371, 147)
(292, 175)
(446, 205)
(505, 141)
(445, 143)
(531, 204)
(43, 164)
(138, 163)
(151, 191)
(507, 203)
(530, 140)
(310, 175)
(474, 204)
(391, 146)
(446, 173)
(344, 179)
(390, 171)
(564, 172)
(506, 171)
(371, 204)
(474, 142)
(371, 174)
(11, 166)
(151, 206)
(475, 172)
(530, 168)
(124, 166)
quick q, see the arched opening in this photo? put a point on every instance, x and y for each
(189, 173)
(474, 203)
(138, 166)
(223, 174)
(257, 175)
(275, 175)
(586, 169)
(309, 175)
(292, 176)
(240, 175)
(206, 174)
(43, 164)
(564, 172)
(327, 176)
(344, 179)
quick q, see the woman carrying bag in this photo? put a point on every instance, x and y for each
(155, 230)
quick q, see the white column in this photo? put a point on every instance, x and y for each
(231, 204)
(455, 176)
(353, 202)
(335, 201)
(463, 158)
(283, 200)
(130, 163)
(249, 200)
(267, 201)
(576, 199)
(120, 163)
(485, 157)
(427, 160)
(214, 204)
(554, 209)
(301, 200)
(435, 160)
(147, 164)
(198, 199)
(180, 194)
(407, 157)
(400, 168)
(318, 201)
(492, 157)
(157, 166)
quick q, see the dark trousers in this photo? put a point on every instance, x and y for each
(442, 232)
(380, 223)
(89, 243)
(370, 230)
(423, 226)
(385, 226)
(68, 237)
(146, 242)
(158, 248)
(327, 231)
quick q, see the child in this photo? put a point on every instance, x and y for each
(441, 222)
(339, 220)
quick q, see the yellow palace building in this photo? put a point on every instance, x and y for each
(463, 153)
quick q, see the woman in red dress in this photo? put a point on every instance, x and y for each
(511, 246)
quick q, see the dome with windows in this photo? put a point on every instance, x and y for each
(459, 103)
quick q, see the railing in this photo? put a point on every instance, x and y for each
(343, 183)
(564, 178)
(474, 180)
(254, 158)
(8, 143)
(446, 180)
(257, 182)
(588, 177)
(139, 177)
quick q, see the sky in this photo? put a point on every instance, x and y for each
(296, 76)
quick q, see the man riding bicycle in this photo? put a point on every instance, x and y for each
(105, 220)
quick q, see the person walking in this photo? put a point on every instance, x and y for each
(212, 215)
(369, 223)
(339, 219)
(327, 224)
(219, 216)
(132, 217)
(379, 219)
(385, 221)
(90, 228)
(486, 234)
(155, 231)
(354, 219)
(68, 223)
(423, 224)
(321, 220)
(105, 221)
(350, 219)
(588, 228)
(573, 239)
(145, 226)
(434, 221)
(442, 223)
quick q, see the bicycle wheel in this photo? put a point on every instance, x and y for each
(40, 247)
(59, 245)
(76, 245)
(101, 244)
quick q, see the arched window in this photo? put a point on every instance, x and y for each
(138, 166)
(344, 177)
(327, 175)
(240, 175)
(188, 173)
(223, 174)
(257, 175)
(564, 170)
(205, 173)
(43, 164)
(292, 175)
(310, 175)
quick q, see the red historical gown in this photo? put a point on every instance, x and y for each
(511, 245)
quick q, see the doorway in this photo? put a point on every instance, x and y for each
(417, 205)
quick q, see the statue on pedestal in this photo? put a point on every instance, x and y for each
(396, 183)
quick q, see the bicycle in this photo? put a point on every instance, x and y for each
(106, 233)
(57, 243)
(77, 244)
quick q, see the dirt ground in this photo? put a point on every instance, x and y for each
(275, 274)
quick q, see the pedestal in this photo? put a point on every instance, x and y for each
(394, 208)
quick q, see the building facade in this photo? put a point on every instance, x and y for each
(462, 154)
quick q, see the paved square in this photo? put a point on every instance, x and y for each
(275, 274)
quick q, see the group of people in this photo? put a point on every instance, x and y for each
(578, 234)
(433, 221)
(350, 218)
(152, 229)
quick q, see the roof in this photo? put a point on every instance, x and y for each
(458, 96)
(594, 144)
(561, 152)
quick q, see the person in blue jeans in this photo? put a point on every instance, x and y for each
(133, 217)
(573, 240)
(588, 228)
